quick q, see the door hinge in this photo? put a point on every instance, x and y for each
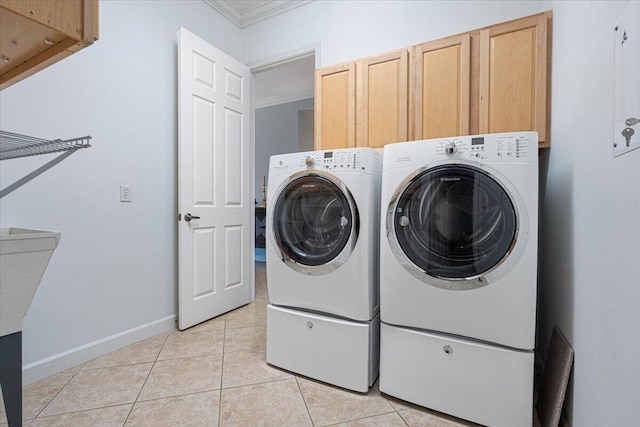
(179, 217)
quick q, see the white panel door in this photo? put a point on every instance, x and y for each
(214, 177)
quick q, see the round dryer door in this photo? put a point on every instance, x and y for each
(454, 223)
(315, 223)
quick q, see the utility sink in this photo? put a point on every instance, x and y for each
(24, 256)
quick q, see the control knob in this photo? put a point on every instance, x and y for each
(450, 148)
(309, 161)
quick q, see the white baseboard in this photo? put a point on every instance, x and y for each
(52, 365)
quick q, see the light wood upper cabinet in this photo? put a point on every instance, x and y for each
(334, 105)
(440, 82)
(35, 34)
(513, 77)
(382, 99)
(489, 80)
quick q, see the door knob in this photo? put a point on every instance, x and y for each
(188, 217)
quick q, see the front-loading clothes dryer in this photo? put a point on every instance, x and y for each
(458, 256)
(322, 265)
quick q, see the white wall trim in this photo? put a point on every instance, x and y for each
(227, 9)
(292, 55)
(283, 98)
(243, 16)
(68, 359)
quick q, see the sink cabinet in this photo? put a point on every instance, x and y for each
(24, 256)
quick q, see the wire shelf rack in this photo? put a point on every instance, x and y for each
(13, 146)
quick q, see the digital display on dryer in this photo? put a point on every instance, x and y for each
(477, 141)
(328, 154)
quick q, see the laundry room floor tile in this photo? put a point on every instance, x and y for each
(111, 416)
(98, 388)
(253, 314)
(141, 352)
(182, 376)
(277, 403)
(249, 367)
(330, 405)
(248, 338)
(192, 343)
(392, 419)
(213, 374)
(36, 396)
(423, 417)
(217, 323)
(199, 409)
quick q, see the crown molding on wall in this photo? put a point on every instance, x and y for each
(244, 13)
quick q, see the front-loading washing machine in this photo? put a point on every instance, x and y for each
(458, 274)
(322, 265)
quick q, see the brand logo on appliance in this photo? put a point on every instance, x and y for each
(280, 166)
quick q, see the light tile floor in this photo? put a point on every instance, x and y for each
(213, 374)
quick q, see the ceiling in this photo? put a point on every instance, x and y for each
(248, 12)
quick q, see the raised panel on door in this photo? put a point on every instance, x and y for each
(441, 81)
(513, 77)
(334, 107)
(382, 99)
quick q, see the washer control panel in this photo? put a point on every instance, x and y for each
(493, 147)
(352, 159)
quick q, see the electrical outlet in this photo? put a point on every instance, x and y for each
(125, 193)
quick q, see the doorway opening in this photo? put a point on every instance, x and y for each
(283, 123)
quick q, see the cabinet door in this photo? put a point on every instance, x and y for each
(513, 77)
(382, 99)
(334, 104)
(440, 77)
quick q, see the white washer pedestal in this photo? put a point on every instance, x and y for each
(336, 351)
(482, 383)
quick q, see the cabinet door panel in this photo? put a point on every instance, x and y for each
(513, 77)
(441, 80)
(334, 118)
(382, 84)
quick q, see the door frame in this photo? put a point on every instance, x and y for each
(284, 58)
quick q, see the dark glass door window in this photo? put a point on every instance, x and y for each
(455, 222)
(312, 220)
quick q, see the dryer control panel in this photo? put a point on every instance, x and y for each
(510, 147)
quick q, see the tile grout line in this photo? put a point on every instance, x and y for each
(78, 411)
(258, 383)
(361, 418)
(224, 339)
(55, 395)
(305, 401)
(133, 404)
(405, 421)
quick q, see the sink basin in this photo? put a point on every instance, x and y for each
(24, 256)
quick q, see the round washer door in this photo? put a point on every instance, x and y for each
(315, 223)
(452, 225)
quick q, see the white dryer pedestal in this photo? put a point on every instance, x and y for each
(336, 351)
(482, 383)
